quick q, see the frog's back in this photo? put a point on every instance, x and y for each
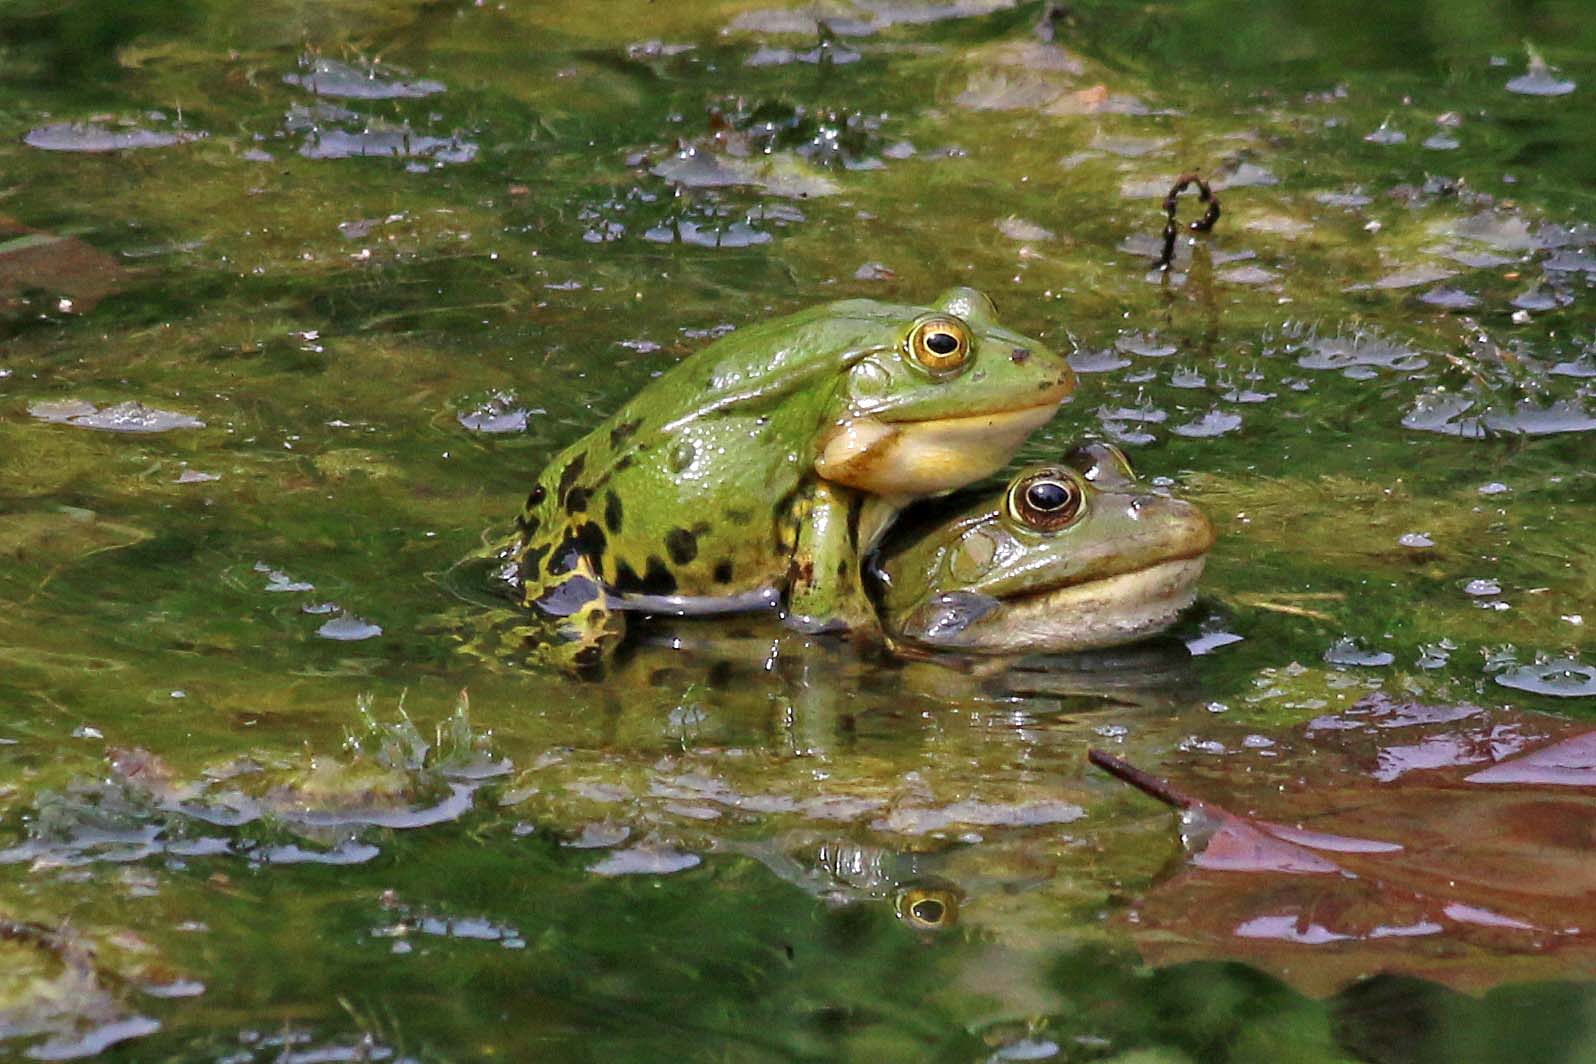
(682, 490)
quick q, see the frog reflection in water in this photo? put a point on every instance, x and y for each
(759, 471)
(1067, 557)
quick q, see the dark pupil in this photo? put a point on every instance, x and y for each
(942, 343)
(928, 911)
(1047, 496)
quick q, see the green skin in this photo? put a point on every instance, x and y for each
(760, 470)
(981, 577)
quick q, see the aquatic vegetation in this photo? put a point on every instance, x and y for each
(394, 255)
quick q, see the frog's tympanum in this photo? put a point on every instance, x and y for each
(759, 471)
(1067, 557)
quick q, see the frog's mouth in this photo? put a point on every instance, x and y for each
(913, 459)
(1107, 612)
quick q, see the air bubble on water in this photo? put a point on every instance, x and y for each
(1416, 540)
(1350, 651)
(1495, 487)
(1481, 587)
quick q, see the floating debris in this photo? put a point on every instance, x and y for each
(1449, 415)
(346, 627)
(1558, 677)
(1386, 135)
(1146, 345)
(780, 174)
(1213, 423)
(94, 137)
(329, 77)
(129, 416)
(1449, 298)
(707, 234)
(500, 412)
(645, 860)
(1020, 229)
(1540, 80)
(875, 271)
(1350, 651)
(385, 142)
(277, 580)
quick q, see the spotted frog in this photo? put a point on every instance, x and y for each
(1067, 557)
(760, 470)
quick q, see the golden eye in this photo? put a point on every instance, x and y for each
(1046, 502)
(928, 908)
(940, 344)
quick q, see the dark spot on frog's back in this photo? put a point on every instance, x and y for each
(623, 432)
(576, 500)
(723, 572)
(568, 476)
(1020, 354)
(613, 513)
(657, 578)
(682, 545)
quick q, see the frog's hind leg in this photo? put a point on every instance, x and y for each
(573, 623)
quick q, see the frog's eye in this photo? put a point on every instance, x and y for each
(1046, 502)
(928, 908)
(940, 344)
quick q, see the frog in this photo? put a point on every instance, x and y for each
(758, 472)
(1066, 557)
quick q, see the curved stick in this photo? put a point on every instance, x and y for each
(1201, 225)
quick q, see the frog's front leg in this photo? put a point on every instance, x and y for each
(574, 623)
(824, 592)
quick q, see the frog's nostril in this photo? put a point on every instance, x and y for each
(1020, 354)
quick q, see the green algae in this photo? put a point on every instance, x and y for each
(330, 319)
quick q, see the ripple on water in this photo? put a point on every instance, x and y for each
(1558, 677)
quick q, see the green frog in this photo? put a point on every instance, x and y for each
(759, 471)
(1067, 557)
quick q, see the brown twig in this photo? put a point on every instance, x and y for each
(1145, 782)
(1201, 225)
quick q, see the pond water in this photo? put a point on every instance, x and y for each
(296, 298)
